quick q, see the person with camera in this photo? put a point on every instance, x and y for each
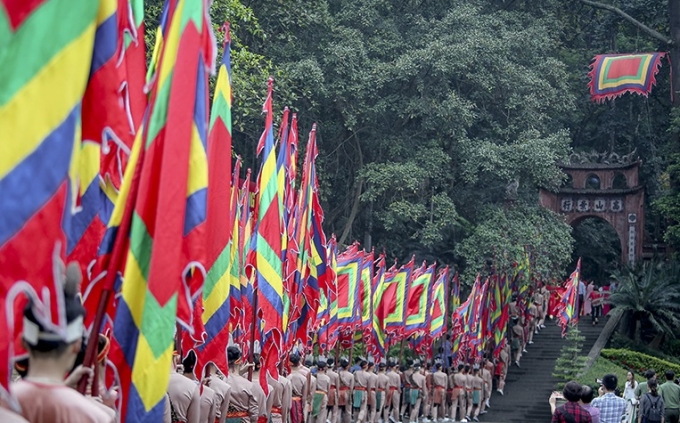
(612, 408)
(571, 412)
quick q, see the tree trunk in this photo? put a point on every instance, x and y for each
(674, 16)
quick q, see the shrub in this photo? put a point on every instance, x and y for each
(638, 362)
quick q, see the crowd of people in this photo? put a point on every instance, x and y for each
(643, 402)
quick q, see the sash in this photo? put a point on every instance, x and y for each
(414, 394)
(358, 397)
(317, 401)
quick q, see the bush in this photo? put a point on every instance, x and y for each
(570, 362)
(669, 351)
(639, 362)
(602, 367)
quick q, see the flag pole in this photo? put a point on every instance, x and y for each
(117, 255)
(251, 356)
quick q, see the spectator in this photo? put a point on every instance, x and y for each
(642, 386)
(611, 407)
(587, 395)
(651, 405)
(571, 412)
(670, 392)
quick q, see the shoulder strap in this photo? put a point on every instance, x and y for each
(567, 415)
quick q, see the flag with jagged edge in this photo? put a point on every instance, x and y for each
(264, 256)
(501, 313)
(348, 275)
(144, 325)
(482, 321)
(47, 49)
(366, 293)
(437, 320)
(222, 202)
(376, 342)
(419, 301)
(332, 326)
(113, 106)
(455, 292)
(245, 315)
(568, 308)
(396, 317)
(523, 273)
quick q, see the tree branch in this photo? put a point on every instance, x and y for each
(659, 36)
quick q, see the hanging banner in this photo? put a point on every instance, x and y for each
(613, 75)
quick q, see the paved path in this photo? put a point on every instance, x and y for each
(528, 388)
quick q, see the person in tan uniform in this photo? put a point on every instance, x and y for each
(360, 393)
(299, 384)
(320, 401)
(440, 384)
(345, 389)
(393, 395)
(43, 394)
(487, 376)
(279, 395)
(381, 383)
(517, 333)
(540, 311)
(207, 394)
(458, 395)
(532, 322)
(502, 366)
(406, 378)
(185, 399)
(477, 387)
(263, 400)
(372, 385)
(222, 391)
(243, 404)
(469, 391)
(418, 393)
(333, 391)
(427, 405)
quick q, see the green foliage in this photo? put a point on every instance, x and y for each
(669, 350)
(650, 294)
(639, 362)
(505, 231)
(602, 367)
(570, 362)
(599, 247)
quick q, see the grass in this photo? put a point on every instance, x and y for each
(602, 367)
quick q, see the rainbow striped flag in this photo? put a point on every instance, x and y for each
(376, 343)
(418, 302)
(46, 57)
(152, 289)
(613, 75)
(396, 317)
(266, 249)
(567, 312)
(332, 257)
(366, 293)
(222, 203)
(437, 320)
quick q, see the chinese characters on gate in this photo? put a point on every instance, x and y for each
(584, 205)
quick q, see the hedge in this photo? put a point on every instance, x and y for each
(639, 362)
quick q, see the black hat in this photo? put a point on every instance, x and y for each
(344, 362)
(382, 365)
(294, 358)
(321, 364)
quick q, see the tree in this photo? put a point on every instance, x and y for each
(570, 362)
(651, 295)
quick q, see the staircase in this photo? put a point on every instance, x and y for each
(528, 387)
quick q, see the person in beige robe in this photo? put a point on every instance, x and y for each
(477, 383)
(418, 392)
(469, 389)
(393, 394)
(487, 375)
(222, 391)
(279, 395)
(320, 401)
(372, 382)
(381, 387)
(458, 395)
(360, 393)
(207, 394)
(333, 391)
(345, 392)
(299, 386)
(42, 394)
(243, 403)
(185, 399)
(440, 385)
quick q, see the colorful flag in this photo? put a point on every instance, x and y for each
(568, 307)
(613, 75)
(418, 302)
(332, 257)
(396, 303)
(366, 293)
(265, 249)
(152, 289)
(376, 343)
(348, 276)
(46, 56)
(222, 202)
(437, 320)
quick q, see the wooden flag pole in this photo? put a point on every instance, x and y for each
(117, 254)
(251, 356)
